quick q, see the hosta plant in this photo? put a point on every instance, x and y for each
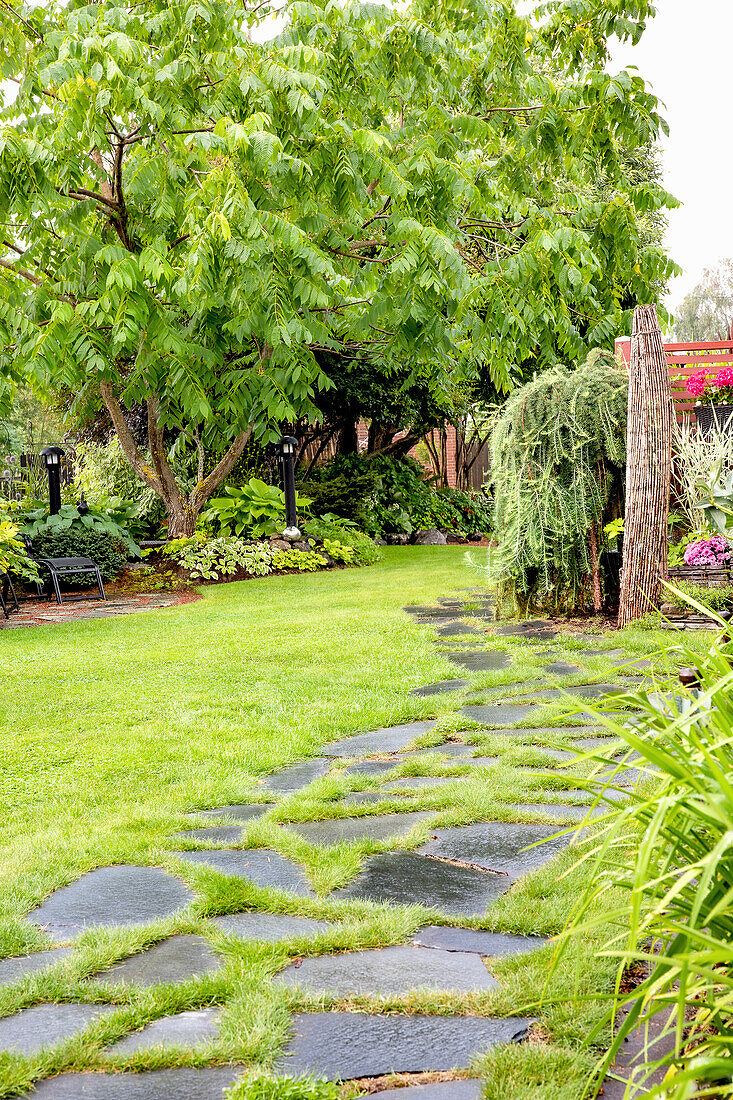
(254, 509)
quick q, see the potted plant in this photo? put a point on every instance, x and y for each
(707, 561)
(714, 407)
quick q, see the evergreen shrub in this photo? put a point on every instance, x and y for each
(558, 452)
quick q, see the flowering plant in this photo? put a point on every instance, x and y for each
(715, 388)
(714, 551)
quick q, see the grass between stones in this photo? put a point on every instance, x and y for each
(121, 727)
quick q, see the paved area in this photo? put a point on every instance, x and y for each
(394, 855)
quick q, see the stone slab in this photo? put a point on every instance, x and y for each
(296, 776)
(391, 739)
(244, 812)
(445, 748)
(120, 895)
(174, 960)
(451, 630)
(404, 878)
(498, 714)
(270, 927)
(185, 1029)
(437, 1090)
(12, 970)
(43, 1026)
(389, 971)
(344, 830)
(554, 809)
(259, 866)
(215, 833)
(374, 767)
(347, 1045)
(489, 944)
(439, 687)
(483, 660)
(160, 1084)
(496, 846)
(562, 668)
(584, 691)
(525, 627)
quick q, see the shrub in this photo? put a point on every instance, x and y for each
(715, 599)
(366, 552)
(13, 555)
(668, 853)
(107, 551)
(557, 461)
(39, 523)
(255, 509)
(339, 552)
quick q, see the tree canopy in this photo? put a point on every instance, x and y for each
(706, 311)
(200, 223)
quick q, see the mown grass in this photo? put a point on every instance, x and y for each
(116, 728)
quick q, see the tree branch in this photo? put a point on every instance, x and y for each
(208, 485)
(158, 453)
(129, 446)
(22, 272)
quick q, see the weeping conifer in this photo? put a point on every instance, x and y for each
(557, 459)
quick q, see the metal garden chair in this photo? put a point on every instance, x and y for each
(58, 568)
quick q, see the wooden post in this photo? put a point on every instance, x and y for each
(648, 469)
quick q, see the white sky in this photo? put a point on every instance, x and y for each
(685, 55)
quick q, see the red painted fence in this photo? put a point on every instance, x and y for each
(684, 360)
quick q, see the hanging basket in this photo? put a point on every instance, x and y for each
(714, 418)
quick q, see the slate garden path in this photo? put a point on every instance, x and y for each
(377, 888)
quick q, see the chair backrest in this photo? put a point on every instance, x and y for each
(27, 541)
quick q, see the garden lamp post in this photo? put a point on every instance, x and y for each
(285, 449)
(52, 461)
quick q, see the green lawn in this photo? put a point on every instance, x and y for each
(115, 728)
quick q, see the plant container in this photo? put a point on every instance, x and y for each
(714, 418)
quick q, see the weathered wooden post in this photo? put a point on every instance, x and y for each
(648, 469)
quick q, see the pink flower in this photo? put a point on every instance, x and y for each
(696, 383)
(714, 551)
(724, 378)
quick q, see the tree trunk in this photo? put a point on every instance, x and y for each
(181, 520)
(648, 469)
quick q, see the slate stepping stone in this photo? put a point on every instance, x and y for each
(496, 846)
(554, 809)
(33, 1029)
(270, 927)
(374, 767)
(297, 776)
(499, 714)
(403, 878)
(389, 971)
(225, 833)
(391, 739)
(562, 668)
(484, 660)
(489, 944)
(248, 812)
(121, 895)
(522, 628)
(186, 1029)
(604, 653)
(259, 866)
(451, 630)
(171, 1084)
(344, 830)
(342, 1046)
(174, 960)
(437, 1090)
(441, 686)
(12, 970)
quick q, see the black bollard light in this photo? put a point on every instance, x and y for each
(52, 461)
(285, 448)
